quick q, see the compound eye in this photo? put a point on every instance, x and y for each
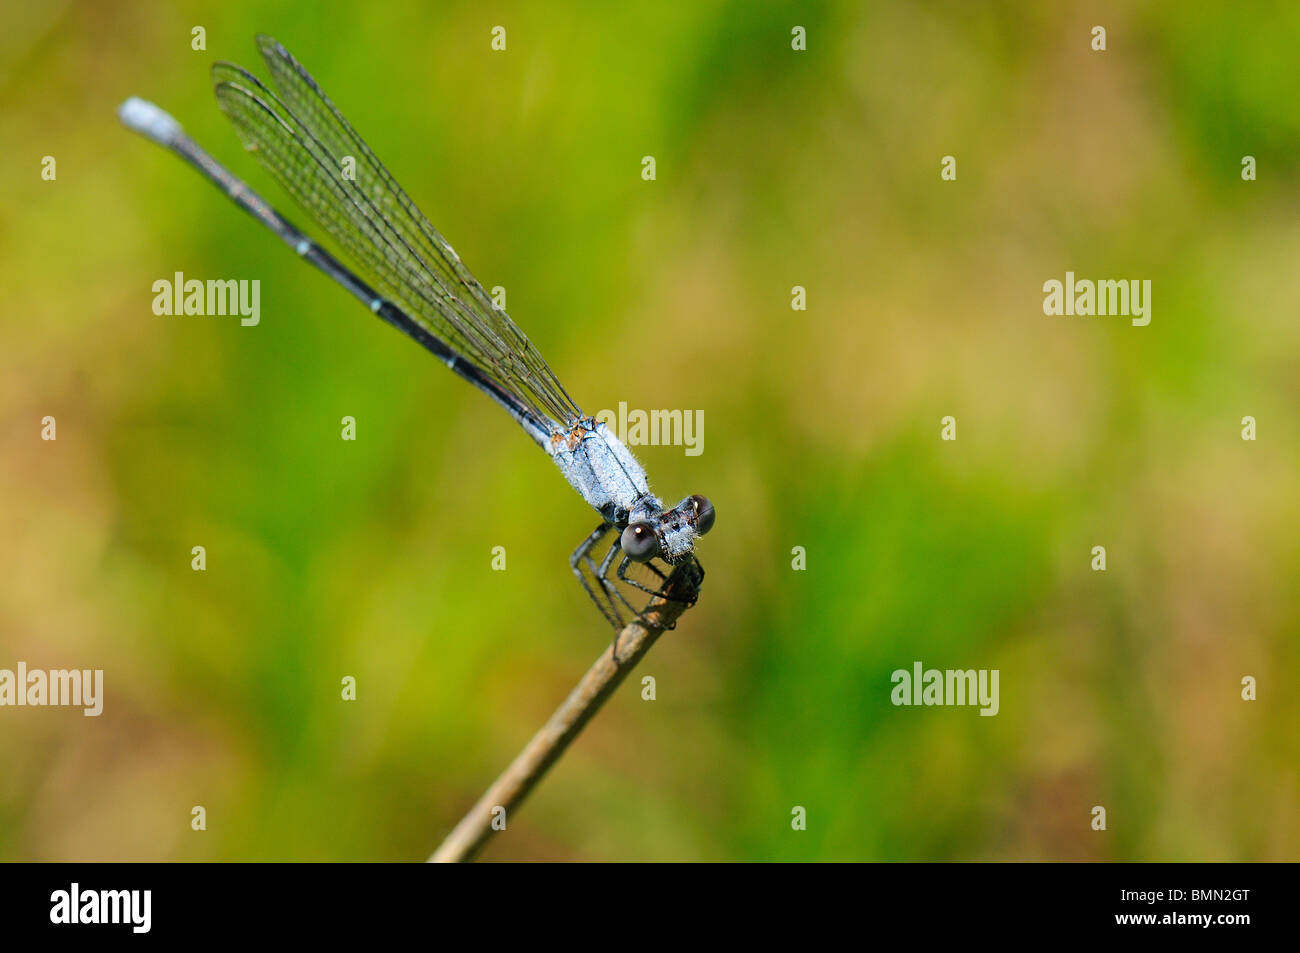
(703, 514)
(640, 542)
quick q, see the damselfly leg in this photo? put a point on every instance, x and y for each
(580, 560)
(602, 586)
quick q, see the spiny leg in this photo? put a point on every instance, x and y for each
(622, 574)
(603, 575)
(612, 591)
(615, 615)
(582, 553)
(608, 606)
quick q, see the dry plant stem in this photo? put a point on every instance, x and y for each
(514, 784)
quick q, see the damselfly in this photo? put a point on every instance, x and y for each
(425, 291)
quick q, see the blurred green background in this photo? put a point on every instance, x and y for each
(821, 430)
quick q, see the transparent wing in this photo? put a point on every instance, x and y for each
(302, 139)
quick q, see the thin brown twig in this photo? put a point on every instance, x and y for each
(509, 790)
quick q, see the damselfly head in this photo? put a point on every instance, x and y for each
(670, 536)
